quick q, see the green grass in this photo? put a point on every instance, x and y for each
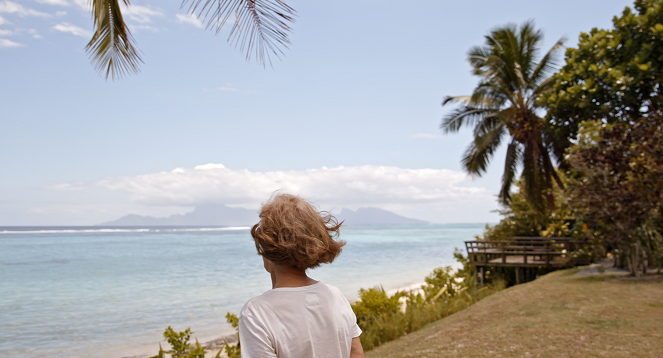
(558, 315)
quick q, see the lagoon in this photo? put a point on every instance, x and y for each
(109, 292)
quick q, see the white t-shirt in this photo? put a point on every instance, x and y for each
(298, 322)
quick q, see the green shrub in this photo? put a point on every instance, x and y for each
(179, 341)
(445, 292)
(181, 348)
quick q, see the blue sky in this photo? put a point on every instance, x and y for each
(358, 92)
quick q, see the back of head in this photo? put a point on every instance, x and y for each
(293, 233)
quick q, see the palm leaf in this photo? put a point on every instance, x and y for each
(547, 66)
(480, 151)
(111, 48)
(464, 116)
(260, 26)
(513, 158)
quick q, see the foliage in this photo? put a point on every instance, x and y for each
(232, 351)
(505, 104)
(181, 348)
(259, 28)
(613, 75)
(382, 318)
(617, 188)
(520, 218)
(179, 341)
(373, 304)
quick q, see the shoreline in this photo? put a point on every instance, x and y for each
(212, 346)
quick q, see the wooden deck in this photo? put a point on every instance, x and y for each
(523, 253)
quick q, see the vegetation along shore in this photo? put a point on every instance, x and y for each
(585, 157)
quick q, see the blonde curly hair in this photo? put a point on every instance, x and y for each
(293, 233)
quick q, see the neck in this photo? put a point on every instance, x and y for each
(284, 276)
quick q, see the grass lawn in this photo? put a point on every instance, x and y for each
(558, 315)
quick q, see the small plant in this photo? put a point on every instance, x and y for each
(232, 351)
(181, 348)
(179, 341)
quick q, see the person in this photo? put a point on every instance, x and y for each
(299, 317)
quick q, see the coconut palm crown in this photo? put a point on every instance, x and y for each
(259, 28)
(504, 103)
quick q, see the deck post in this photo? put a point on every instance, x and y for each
(483, 274)
(517, 275)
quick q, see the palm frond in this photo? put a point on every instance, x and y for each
(481, 150)
(547, 65)
(513, 158)
(464, 116)
(533, 176)
(111, 48)
(492, 120)
(260, 26)
(549, 168)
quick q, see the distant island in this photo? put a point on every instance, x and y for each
(222, 215)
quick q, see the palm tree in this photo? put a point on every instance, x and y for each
(260, 28)
(505, 103)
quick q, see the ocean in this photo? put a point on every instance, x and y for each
(111, 292)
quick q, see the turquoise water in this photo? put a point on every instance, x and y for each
(111, 293)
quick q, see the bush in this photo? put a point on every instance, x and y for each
(381, 319)
(181, 348)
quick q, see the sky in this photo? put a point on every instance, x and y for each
(348, 117)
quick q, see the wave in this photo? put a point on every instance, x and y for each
(101, 231)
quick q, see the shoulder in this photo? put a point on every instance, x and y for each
(333, 289)
(253, 306)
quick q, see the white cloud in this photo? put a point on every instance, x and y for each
(73, 29)
(34, 34)
(228, 87)
(388, 187)
(189, 19)
(5, 32)
(139, 13)
(60, 13)
(3, 20)
(14, 8)
(9, 43)
(424, 136)
(54, 2)
(83, 4)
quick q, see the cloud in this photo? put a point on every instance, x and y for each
(357, 186)
(424, 136)
(14, 8)
(9, 43)
(3, 20)
(5, 32)
(228, 87)
(189, 19)
(73, 29)
(83, 4)
(34, 34)
(54, 2)
(139, 13)
(60, 13)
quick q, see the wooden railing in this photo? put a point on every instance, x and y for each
(522, 252)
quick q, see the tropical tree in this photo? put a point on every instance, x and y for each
(504, 103)
(260, 28)
(616, 186)
(614, 75)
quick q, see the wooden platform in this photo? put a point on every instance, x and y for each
(523, 253)
(516, 260)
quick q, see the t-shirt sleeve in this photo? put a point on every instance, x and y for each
(355, 331)
(254, 340)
